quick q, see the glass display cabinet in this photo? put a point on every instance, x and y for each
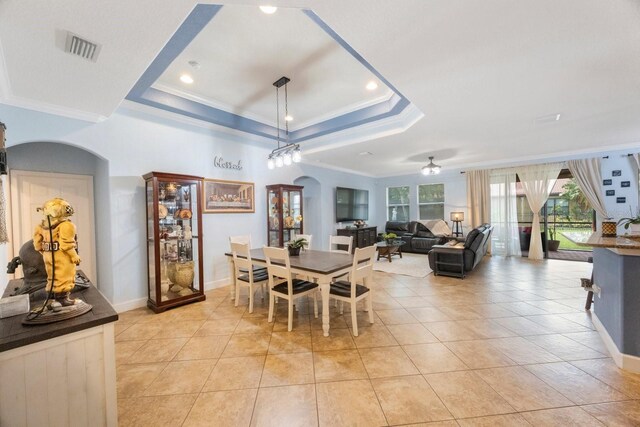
(174, 239)
(284, 213)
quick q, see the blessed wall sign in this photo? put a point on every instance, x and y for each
(221, 163)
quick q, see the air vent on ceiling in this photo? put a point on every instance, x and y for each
(83, 48)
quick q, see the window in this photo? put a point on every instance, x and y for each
(398, 203)
(431, 201)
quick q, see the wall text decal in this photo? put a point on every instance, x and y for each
(219, 162)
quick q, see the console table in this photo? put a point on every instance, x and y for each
(362, 237)
(62, 373)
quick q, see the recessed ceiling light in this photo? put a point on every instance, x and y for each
(288, 118)
(186, 78)
(372, 85)
(269, 10)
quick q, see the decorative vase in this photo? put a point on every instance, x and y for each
(181, 274)
(293, 251)
(390, 241)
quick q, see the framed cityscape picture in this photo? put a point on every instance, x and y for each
(611, 192)
(228, 196)
(616, 173)
(607, 182)
(621, 200)
(625, 184)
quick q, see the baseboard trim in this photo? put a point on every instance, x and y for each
(142, 302)
(623, 361)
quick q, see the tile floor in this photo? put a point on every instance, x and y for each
(511, 345)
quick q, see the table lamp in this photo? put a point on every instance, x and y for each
(457, 218)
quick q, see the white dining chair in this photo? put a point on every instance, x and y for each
(245, 275)
(340, 241)
(350, 291)
(290, 289)
(246, 239)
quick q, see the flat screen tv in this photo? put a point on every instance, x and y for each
(351, 204)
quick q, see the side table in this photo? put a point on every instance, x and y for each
(456, 252)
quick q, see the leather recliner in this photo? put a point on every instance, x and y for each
(418, 238)
(475, 248)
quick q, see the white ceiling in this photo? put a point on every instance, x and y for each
(480, 71)
(242, 51)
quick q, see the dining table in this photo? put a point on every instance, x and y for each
(319, 266)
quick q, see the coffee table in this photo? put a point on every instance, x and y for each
(390, 248)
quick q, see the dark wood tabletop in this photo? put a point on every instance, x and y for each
(14, 334)
(323, 262)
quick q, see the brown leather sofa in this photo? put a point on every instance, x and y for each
(452, 263)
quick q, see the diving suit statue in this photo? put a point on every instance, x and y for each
(55, 239)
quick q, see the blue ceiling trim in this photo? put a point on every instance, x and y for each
(143, 92)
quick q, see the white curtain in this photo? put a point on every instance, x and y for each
(478, 197)
(537, 182)
(587, 174)
(504, 216)
(637, 157)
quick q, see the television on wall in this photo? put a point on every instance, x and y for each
(351, 204)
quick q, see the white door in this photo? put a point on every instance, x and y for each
(29, 190)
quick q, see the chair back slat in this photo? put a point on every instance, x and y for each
(241, 239)
(362, 266)
(280, 255)
(340, 240)
(241, 257)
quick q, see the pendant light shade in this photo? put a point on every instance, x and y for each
(289, 153)
(431, 168)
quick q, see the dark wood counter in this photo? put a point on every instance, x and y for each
(14, 334)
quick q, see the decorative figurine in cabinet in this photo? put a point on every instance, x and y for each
(174, 240)
(284, 213)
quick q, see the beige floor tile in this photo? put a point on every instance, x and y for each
(411, 333)
(181, 378)
(510, 420)
(466, 395)
(140, 331)
(374, 336)
(179, 329)
(301, 323)
(413, 302)
(486, 328)
(300, 401)
(287, 369)
(428, 314)
(522, 351)
(523, 390)
(209, 347)
(386, 362)
(228, 312)
(452, 331)
(120, 327)
(290, 342)
(158, 350)
(565, 348)
(338, 365)
(557, 324)
(573, 416)
(522, 326)
(348, 403)
(155, 410)
(133, 316)
(217, 327)
(126, 349)
(434, 357)
(133, 380)
(409, 400)
(618, 414)
(235, 373)
(606, 371)
(396, 317)
(247, 345)
(479, 354)
(575, 384)
(460, 312)
(522, 308)
(254, 325)
(222, 408)
(591, 339)
(338, 339)
(450, 423)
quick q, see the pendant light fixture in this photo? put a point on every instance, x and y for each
(289, 153)
(431, 168)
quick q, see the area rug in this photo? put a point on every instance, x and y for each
(414, 265)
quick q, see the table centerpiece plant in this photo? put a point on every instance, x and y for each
(294, 246)
(389, 237)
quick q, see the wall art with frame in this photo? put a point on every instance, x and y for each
(222, 196)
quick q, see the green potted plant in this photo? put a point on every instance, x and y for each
(552, 243)
(389, 237)
(294, 246)
(632, 222)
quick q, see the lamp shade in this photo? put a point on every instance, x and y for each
(457, 216)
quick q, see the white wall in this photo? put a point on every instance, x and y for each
(135, 143)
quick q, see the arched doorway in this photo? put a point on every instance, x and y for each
(312, 208)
